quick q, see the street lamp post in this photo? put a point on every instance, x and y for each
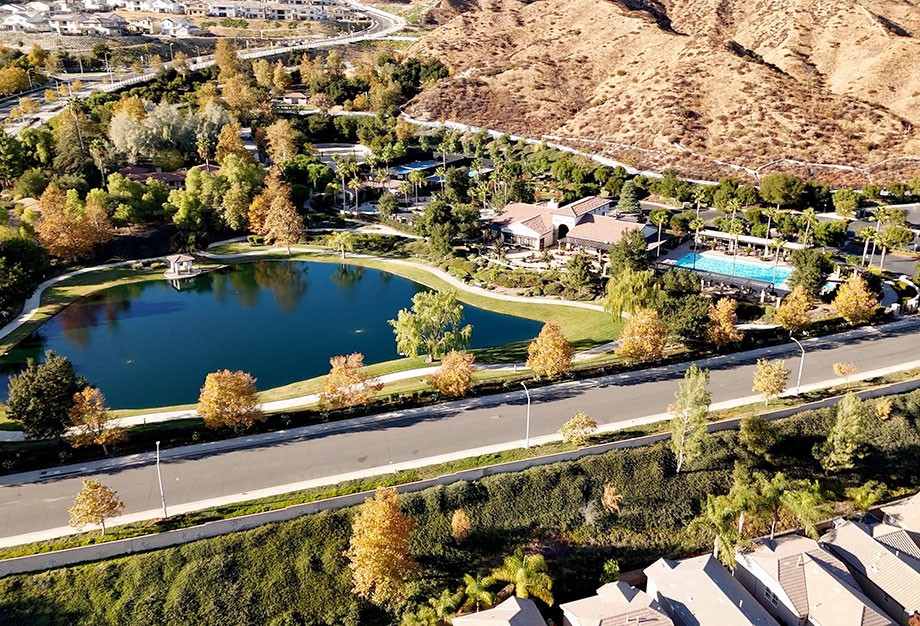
(798, 382)
(527, 427)
(160, 480)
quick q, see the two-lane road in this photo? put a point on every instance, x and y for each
(440, 430)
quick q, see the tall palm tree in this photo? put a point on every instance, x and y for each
(777, 244)
(735, 228)
(417, 179)
(717, 520)
(355, 183)
(772, 213)
(696, 225)
(811, 220)
(476, 591)
(659, 218)
(527, 574)
(405, 188)
(867, 234)
(699, 196)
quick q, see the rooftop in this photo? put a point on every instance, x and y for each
(512, 612)
(601, 229)
(580, 207)
(905, 514)
(616, 603)
(700, 590)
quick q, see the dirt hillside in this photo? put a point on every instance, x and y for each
(689, 83)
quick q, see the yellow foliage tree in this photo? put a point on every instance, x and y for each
(280, 139)
(283, 223)
(378, 550)
(855, 302)
(94, 504)
(229, 399)
(347, 384)
(455, 376)
(770, 378)
(460, 525)
(612, 498)
(723, 318)
(90, 417)
(281, 78)
(229, 142)
(227, 60)
(579, 429)
(70, 231)
(644, 337)
(844, 371)
(550, 353)
(792, 313)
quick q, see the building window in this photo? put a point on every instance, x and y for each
(770, 596)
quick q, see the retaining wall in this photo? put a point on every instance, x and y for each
(95, 552)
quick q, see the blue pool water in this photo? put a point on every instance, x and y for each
(747, 269)
(417, 165)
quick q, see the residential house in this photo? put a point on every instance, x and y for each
(581, 224)
(252, 10)
(701, 592)
(95, 5)
(512, 612)
(178, 27)
(904, 514)
(26, 22)
(38, 7)
(68, 23)
(105, 24)
(296, 98)
(137, 173)
(615, 603)
(145, 24)
(800, 583)
(889, 575)
(196, 9)
(223, 9)
(141, 6)
(165, 6)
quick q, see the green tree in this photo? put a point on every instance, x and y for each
(691, 409)
(811, 269)
(631, 290)
(41, 396)
(629, 199)
(388, 204)
(341, 241)
(578, 271)
(846, 201)
(527, 574)
(846, 441)
(630, 252)
(893, 237)
(781, 189)
(433, 326)
(717, 521)
(476, 593)
(11, 158)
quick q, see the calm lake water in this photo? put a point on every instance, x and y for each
(149, 345)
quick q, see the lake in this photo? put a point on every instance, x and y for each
(149, 344)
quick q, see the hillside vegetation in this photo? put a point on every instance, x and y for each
(691, 82)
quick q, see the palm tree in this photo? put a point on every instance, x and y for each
(696, 225)
(341, 240)
(717, 521)
(735, 228)
(867, 234)
(345, 168)
(777, 244)
(476, 591)
(445, 605)
(772, 214)
(811, 219)
(699, 196)
(405, 188)
(417, 179)
(892, 237)
(527, 574)
(659, 218)
(355, 183)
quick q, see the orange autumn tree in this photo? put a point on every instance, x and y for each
(455, 376)
(229, 399)
(347, 384)
(855, 302)
(550, 353)
(792, 313)
(69, 230)
(91, 420)
(378, 551)
(723, 318)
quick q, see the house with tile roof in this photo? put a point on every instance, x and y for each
(701, 592)
(904, 514)
(512, 612)
(615, 603)
(887, 574)
(799, 582)
(583, 224)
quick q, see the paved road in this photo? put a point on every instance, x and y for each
(423, 433)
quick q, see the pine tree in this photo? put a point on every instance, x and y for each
(688, 426)
(846, 440)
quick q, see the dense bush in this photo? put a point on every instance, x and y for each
(294, 572)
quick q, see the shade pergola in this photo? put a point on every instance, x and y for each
(747, 239)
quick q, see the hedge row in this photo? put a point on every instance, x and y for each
(294, 572)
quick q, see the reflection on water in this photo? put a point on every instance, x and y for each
(149, 344)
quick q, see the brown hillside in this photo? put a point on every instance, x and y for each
(745, 82)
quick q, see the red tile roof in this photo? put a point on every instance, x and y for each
(580, 207)
(533, 216)
(601, 229)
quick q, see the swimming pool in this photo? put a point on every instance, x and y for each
(723, 265)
